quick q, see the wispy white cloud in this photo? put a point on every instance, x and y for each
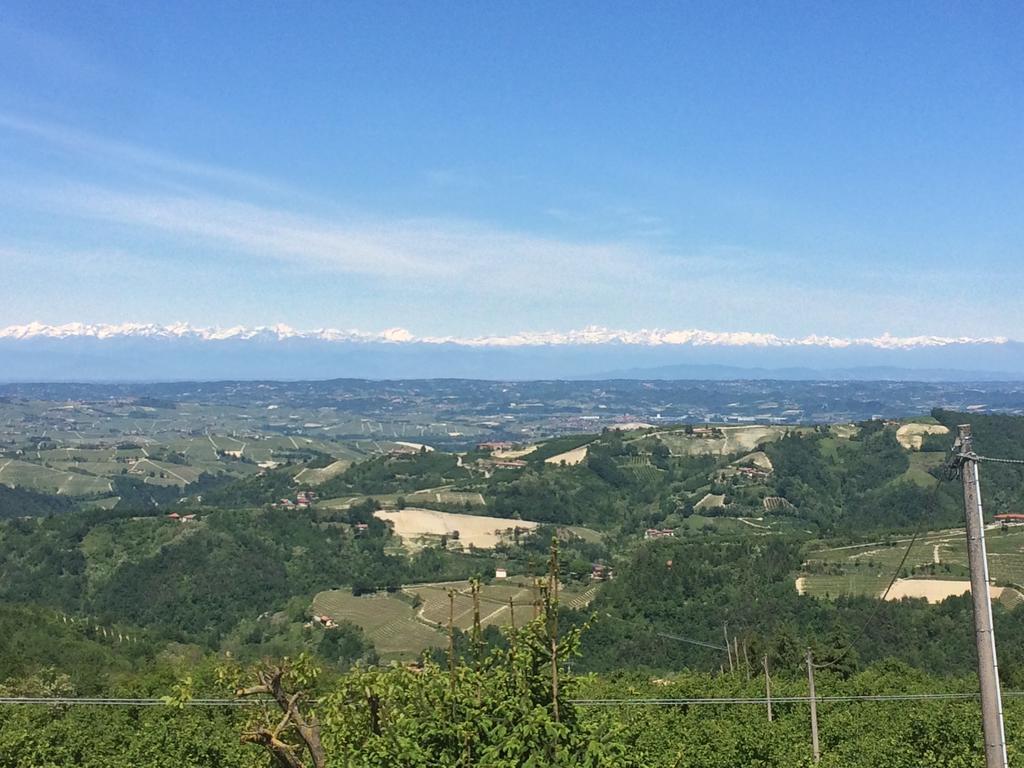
(132, 155)
(91, 262)
(436, 268)
(185, 201)
(411, 248)
(454, 267)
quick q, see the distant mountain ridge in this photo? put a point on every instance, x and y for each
(585, 336)
(180, 352)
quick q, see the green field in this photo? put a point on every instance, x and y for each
(316, 476)
(920, 463)
(401, 632)
(442, 496)
(38, 477)
(389, 622)
(867, 569)
(696, 523)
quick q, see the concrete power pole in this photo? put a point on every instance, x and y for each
(814, 707)
(984, 636)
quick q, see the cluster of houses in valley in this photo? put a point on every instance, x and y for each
(302, 500)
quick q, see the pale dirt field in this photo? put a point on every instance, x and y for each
(757, 458)
(747, 438)
(911, 436)
(844, 431)
(734, 439)
(710, 500)
(514, 454)
(480, 531)
(416, 446)
(933, 590)
(575, 456)
(322, 474)
(801, 585)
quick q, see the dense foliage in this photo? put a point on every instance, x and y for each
(20, 502)
(856, 487)
(1002, 485)
(195, 581)
(503, 710)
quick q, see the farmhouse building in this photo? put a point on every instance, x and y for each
(659, 533)
(494, 446)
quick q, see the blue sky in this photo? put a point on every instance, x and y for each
(473, 168)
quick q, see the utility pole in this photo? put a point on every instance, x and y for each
(814, 707)
(767, 687)
(451, 647)
(984, 635)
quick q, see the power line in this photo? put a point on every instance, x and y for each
(691, 641)
(651, 630)
(975, 457)
(635, 701)
(762, 701)
(127, 702)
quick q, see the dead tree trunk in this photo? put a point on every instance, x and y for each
(274, 737)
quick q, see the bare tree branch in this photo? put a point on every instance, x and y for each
(307, 728)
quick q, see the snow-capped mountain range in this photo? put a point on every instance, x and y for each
(586, 336)
(153, 352)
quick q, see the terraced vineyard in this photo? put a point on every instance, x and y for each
(494, 603)
(390, 623)
(401, 632)
(52, 479)
(643, 469)
(866, 569)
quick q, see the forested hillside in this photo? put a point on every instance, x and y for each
(19, 502)
(173, 582)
